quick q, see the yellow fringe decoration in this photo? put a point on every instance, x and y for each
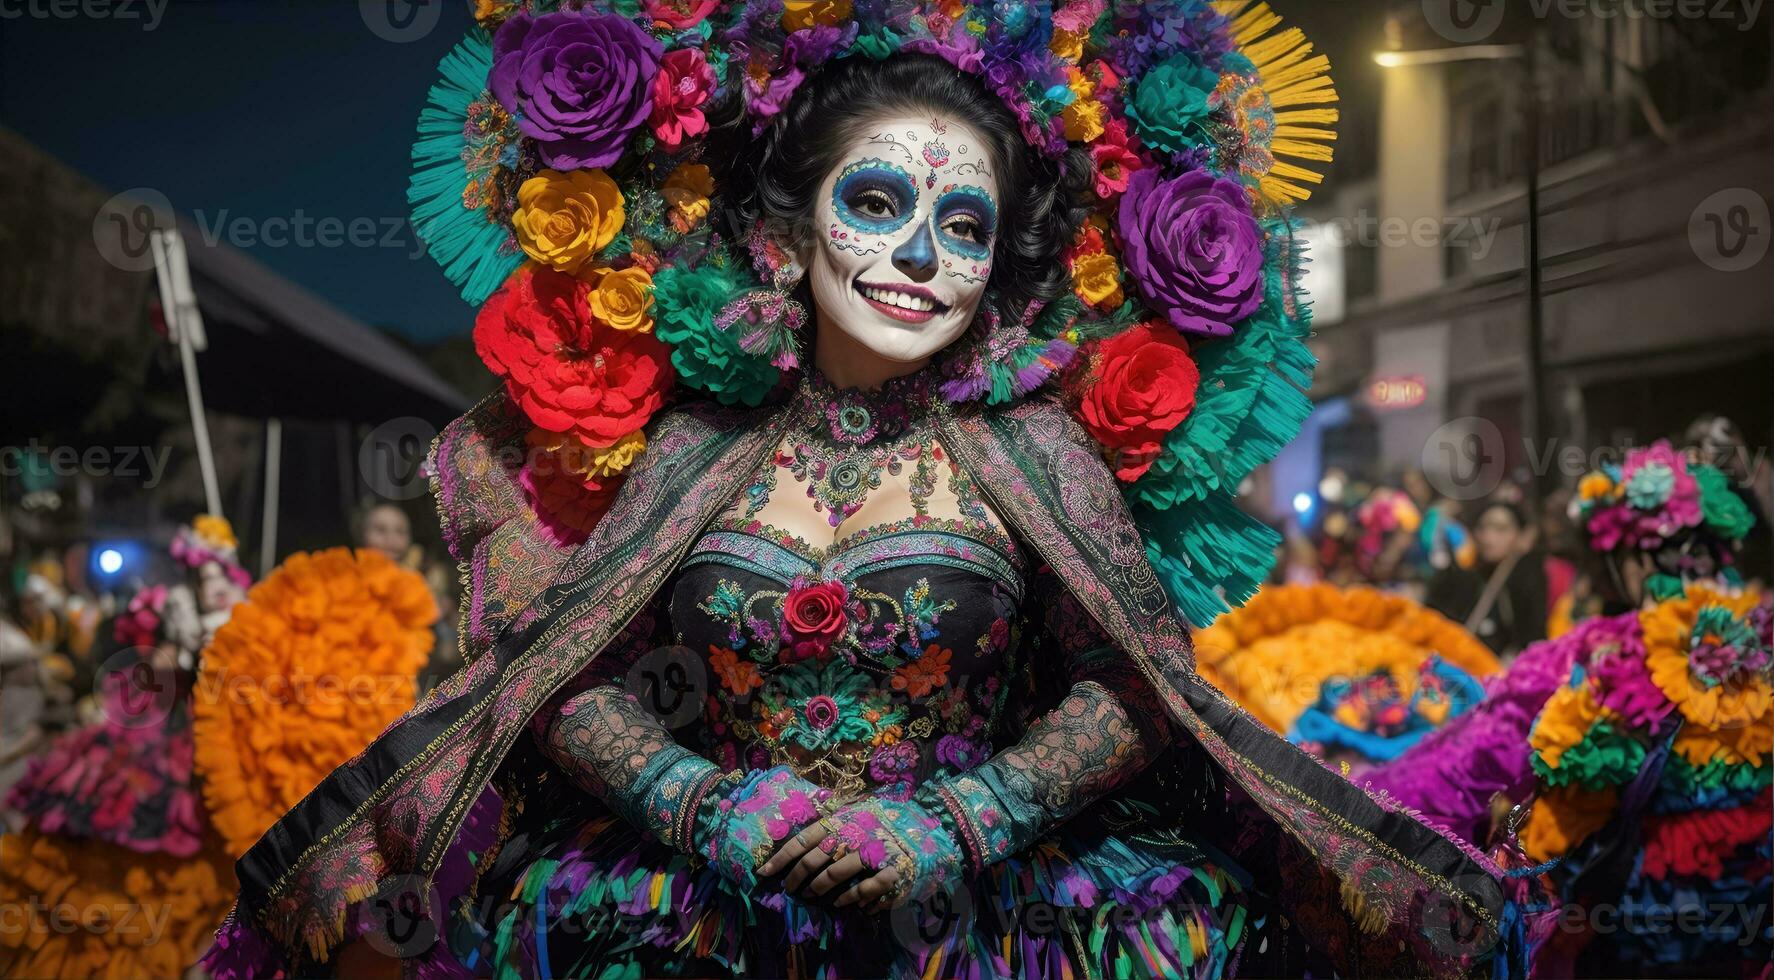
(1368, 919)
(1300, 90)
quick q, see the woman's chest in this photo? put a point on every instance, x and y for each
(877, 654)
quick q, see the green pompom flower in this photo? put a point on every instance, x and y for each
(1171, 104)
(685, 304)
(1606, 757)
(1723, 510)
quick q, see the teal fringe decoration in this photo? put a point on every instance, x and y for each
(1207, 555)
(1252, 401)
(472, 249)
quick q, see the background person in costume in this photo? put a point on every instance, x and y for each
(113, 823)
(1629, 734)
(890, 366)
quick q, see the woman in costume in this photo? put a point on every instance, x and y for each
(801, 603)
(1643, 738)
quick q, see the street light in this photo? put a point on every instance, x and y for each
(1442, 56)
(1535, 402)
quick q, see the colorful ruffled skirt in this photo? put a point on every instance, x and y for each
(602, 901)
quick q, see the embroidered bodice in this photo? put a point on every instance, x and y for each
(870, 663)
(870, 638)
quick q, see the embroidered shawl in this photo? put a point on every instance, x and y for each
(1373, 888)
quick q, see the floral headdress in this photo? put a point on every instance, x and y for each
(1667, 711)
(1657, 501)
(563, 180)
(210, 538)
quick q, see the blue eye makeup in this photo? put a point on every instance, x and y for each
(966, 220)
(874, 197)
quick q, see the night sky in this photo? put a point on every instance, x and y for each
(267, 109)
(254, 109)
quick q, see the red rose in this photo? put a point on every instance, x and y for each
(815, 614)
(567, 371)
(567, 505)
(1145, 387)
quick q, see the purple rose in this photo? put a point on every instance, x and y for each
(577, 85)
(1193, 250)
(962, 753)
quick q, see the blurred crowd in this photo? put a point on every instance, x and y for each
(71, 614)
(1514, 567)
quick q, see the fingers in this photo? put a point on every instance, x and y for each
(810, 864)
(808, 839)
(839, 873)
(870, 890)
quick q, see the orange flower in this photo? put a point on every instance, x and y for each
(1068, 45)
(1595, 486)
(1563, 722)
(739, 676)
(925, 674)
(1274, 653)
(321, 657)
(624, 299)
(1096, 278)
(687, 190)
(1669, 637)
(214, 531)
(85, 908)
(1562, 817)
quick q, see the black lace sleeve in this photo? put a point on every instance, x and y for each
(1107, 726)
(599, 733)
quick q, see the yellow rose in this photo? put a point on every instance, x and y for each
(564, 219)
(799, 15)
(1097, 279)
(214, 531)
(624, 299)
(687, 191)
(1068, 45)
(1595, 485)
(1084, 120)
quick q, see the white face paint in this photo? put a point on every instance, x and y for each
(905, 228)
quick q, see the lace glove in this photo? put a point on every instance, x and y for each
(1102, 733)
(613, 748)
(756, 813)
(901, 836)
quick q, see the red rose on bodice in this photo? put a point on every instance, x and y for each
(1145, 388)
(815, 616)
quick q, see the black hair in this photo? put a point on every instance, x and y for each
(777, 176)
(1515, 513)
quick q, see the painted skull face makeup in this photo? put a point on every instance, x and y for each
(905, 226)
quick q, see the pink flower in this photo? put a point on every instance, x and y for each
(1115, 159)
(678, 14)
(683, 85)
(138, 625)
(822, 712)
